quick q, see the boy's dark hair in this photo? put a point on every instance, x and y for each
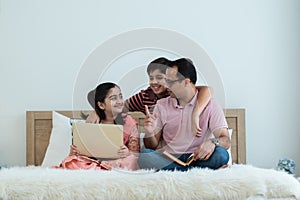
(160, 63)
(186, 69)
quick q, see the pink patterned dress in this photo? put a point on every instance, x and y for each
(131, 140)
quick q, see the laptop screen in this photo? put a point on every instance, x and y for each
(98, 140)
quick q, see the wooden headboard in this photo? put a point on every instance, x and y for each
(39, 125)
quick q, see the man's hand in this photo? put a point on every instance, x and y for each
(152, 134)
(93, 118)
(205, 150)
(149, 122)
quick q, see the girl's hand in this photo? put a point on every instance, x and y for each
(73, 151)
(123, 151)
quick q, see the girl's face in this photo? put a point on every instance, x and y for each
(157, 82)
(113, 102)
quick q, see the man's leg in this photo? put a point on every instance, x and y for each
(219, 158)
(150, 159)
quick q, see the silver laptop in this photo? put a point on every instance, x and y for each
(98, 140)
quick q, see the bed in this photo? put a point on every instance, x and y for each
(240, 181)
(39, 125)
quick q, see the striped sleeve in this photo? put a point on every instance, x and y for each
(138, 101)
(135, 103)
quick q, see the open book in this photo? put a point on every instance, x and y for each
(180, 162)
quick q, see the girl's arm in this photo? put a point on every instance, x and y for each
(134, 144)
(204, 96)
(131, 130)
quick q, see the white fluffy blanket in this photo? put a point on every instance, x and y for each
(237, 182)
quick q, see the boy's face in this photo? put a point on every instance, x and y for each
(157, 82)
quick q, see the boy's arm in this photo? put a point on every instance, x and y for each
(91, 100)
(135, 103)
(204, 96)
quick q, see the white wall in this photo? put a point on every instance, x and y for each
(255, 46)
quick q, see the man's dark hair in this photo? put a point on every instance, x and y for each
(186, 69)
(159, 63)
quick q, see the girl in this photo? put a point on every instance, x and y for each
(109, 104)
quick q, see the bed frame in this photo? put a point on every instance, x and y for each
(39, 125)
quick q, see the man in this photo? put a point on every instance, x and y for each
(169, 128)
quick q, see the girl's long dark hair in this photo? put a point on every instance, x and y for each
(100, 95)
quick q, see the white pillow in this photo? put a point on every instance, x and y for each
(60, 140)
(142, 146)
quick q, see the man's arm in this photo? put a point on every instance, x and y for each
(152, 141)
(152, 136)
(223, 138)
(206, 149)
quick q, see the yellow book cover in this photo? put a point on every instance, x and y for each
(180, 162)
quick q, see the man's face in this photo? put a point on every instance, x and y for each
(174, 83)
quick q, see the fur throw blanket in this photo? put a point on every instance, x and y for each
(237, 182)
